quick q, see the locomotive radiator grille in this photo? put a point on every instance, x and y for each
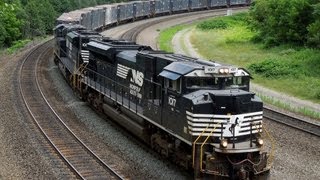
(242, 124)
(85, 56)
(122, 71)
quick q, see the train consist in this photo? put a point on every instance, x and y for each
(200, 114)
(112, 14)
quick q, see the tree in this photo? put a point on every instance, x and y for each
(314, 28)
(282, 21)
(10, 25)
(40, 16)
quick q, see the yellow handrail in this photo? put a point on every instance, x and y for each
(273, 144)
(194, 144)
(214, 128)
(79, 70)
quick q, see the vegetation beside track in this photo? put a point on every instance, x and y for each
(166, 36)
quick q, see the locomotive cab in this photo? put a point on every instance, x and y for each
(224, 119)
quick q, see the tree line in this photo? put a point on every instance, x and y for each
(287, 22)
(25, 19)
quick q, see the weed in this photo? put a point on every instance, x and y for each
(18, 45)
(166, 36)
(300, 110)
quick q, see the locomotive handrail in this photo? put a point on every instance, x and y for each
(201, 148)
(268, 135)
(194, 144)
(273, 144)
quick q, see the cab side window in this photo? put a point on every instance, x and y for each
(174, 85)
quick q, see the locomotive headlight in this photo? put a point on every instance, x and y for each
(224, 71)
(260, 141)
(224, 143)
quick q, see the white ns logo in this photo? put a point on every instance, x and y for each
(137, 77)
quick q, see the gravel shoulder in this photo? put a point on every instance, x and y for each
(21, 156)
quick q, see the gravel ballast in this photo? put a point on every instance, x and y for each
(21, 156)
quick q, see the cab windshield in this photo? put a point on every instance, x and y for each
(241, 82)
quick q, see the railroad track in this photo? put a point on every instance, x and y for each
(83, 163)
(297, 123)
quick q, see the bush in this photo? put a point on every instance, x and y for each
(272, 68)
(213, 24)
(314, 33)
(282, 21)
(17, 45)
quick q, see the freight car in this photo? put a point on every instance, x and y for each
(104, 16)
(198, 113)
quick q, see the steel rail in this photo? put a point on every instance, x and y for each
(294, 122)
(35, 105)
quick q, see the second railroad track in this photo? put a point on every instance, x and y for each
(82, 162)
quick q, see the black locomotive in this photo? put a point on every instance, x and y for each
(198, 113)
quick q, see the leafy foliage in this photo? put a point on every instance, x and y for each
(285, 21)
(274, 68)
(314, 29)
(21, 19)
(214, 24)
(10, 24)
(222, 22)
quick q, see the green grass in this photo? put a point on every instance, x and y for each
(301, 110)
(18, 45)
(166, 36)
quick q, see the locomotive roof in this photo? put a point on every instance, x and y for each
(111, 47)
(83, 33)
(129, 55)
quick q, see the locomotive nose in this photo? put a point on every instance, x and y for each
(235, 102)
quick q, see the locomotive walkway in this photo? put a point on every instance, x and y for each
(182, 45)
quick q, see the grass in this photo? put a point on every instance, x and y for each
(18, 45)
(166, 36)
(300, 110)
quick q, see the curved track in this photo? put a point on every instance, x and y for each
(84, 163)
(291, 121)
